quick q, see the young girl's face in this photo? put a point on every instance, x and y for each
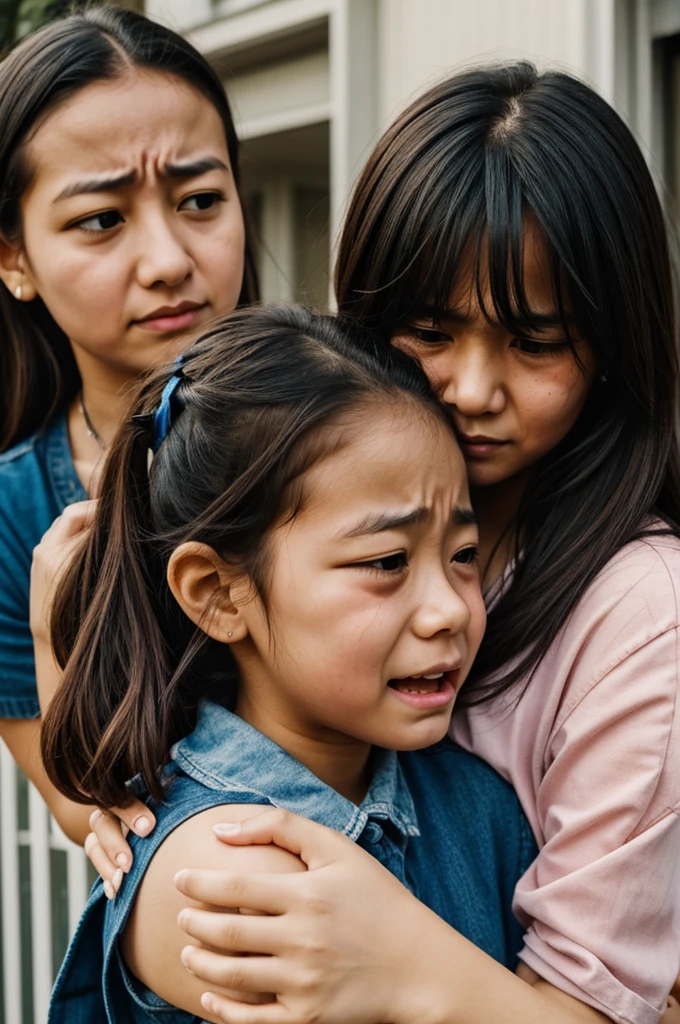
(132, 232)
(513, 399)
(374, 609)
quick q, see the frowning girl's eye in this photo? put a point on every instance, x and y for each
(201, 201)
(98, 223)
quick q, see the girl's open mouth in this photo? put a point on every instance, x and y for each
(430, 691)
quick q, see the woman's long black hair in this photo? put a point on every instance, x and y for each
(38, 372)
(461, 172)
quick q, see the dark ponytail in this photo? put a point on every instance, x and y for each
(247, 423)
(38, 373)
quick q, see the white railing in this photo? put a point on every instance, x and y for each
(43, 888)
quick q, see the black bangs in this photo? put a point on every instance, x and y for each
(459, 207)
(487, 243)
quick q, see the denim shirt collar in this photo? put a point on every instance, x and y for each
(62, 472)
(224, 752)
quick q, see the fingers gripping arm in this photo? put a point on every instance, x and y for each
(350, 945)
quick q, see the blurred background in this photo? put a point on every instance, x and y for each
(313, 83)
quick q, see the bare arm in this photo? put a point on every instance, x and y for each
(153, 941)
(352, 946)
(22, 736)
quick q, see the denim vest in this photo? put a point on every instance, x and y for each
(442, 821)
(37, 481)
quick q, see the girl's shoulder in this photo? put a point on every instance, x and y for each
(152, 940)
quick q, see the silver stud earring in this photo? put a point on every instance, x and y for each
(230, 632)
(603, 378)
(17, 292)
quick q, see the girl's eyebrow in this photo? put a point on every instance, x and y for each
(185, 170)
(380, 522)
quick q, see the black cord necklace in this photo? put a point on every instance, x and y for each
(89, 424)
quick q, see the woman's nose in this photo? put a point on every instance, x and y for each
(470, 380)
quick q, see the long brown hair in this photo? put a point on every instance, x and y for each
(247, 419)
(38, 372)
(459, 172)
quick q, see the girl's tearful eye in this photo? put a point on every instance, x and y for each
(388, 564)
(466, 556)
(201, 201)
(98, 223)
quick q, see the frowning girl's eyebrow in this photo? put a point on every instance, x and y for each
(185, 170)
(380, 522)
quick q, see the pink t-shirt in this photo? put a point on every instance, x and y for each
(593, 750)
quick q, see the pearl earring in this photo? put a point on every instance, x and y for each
(603, 378)
(230, 632)
(17, 292)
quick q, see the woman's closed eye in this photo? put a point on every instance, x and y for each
(428, 335)
(533, 347)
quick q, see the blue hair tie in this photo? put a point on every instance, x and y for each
(162, 418)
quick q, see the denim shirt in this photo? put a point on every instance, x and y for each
(37, 481)
(442, 821)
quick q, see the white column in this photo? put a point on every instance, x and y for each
(41, 904)
(601, 42)
(179, 14)
(644, 107)
(76, 873)
(277, 262)
(353, 45)
(9, 852)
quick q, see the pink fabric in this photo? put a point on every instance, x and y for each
(593, 750)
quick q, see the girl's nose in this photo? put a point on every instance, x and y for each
(442, 610)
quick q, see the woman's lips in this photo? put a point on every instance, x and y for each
(167, 318)
(479, 447)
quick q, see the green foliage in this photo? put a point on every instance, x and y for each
(19, 17)
(9, 16)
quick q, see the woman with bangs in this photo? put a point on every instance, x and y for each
(507, 234)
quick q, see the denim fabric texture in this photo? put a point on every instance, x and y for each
(37, 481)
(442, 821)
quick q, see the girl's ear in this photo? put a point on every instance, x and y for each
(200, 583)
(14, 271)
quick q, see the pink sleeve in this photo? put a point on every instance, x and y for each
(602, 900)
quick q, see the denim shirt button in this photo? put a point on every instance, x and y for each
(373, 833)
